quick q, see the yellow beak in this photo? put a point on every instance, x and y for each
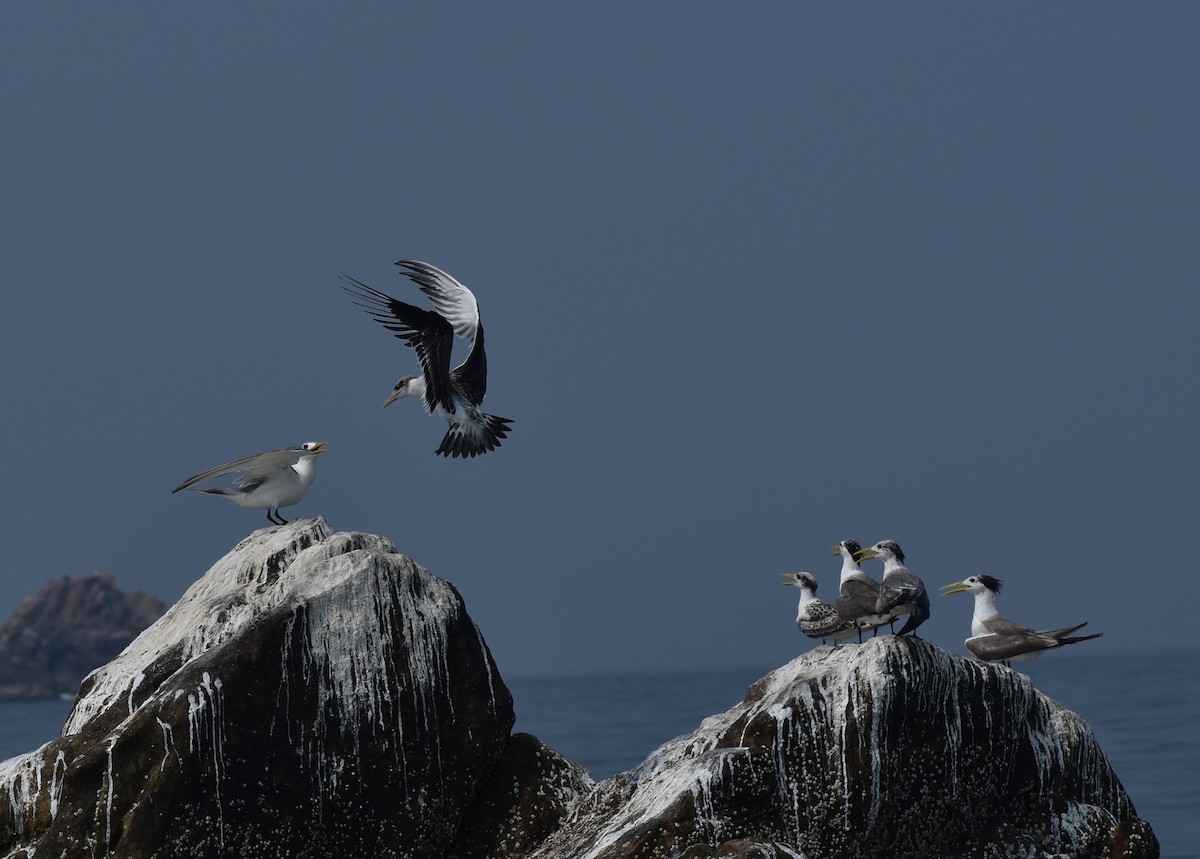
(391, 399)
(954, 588)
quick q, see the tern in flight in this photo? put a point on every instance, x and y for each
(277, 478)
(454, 394)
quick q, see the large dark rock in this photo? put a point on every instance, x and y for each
(319, 694)
(892, 748)
(314, 694)
(74, 625)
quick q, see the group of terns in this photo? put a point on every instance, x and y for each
(866, 604)
(863, 603)
(279, 478)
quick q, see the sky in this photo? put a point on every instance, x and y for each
(755, 278)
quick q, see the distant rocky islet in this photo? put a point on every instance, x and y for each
(72, 626)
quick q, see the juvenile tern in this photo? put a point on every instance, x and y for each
(277, 478)
(456, 395)
(858, 592)
(901, 591)
(996, 638)
(815, 617)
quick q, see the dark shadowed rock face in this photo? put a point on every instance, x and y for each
(51, 641)
(893, 748)
(526, 798)
(314, 694)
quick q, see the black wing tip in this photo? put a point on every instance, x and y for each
(406, 321)
(416, 265)
(1075, 639)
(914, 620)
(360, 290)
(350, 284)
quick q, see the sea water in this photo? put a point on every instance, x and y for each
(1144, 709)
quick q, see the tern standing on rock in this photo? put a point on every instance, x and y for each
(994, 638)
(858, 593)
(815, 617)
(901, 591)
(277, 478)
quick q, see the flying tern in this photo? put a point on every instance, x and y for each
(454, 394)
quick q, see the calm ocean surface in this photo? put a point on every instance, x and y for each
(1144, 708)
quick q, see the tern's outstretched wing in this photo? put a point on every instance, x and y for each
(430, 336)
(459, 307)
(453, 301)
(256, 467)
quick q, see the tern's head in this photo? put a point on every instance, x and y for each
(804, 581)
(847, 549)
(403, 388)
(883, 549)
(974, 584)
(314, 447)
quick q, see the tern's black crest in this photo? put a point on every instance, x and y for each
(852, 546)
(991, 583)
(895, 549)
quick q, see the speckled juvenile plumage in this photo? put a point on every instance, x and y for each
(815, 617)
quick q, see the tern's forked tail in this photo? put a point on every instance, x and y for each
(472, 438)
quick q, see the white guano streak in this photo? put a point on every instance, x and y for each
(349, 653)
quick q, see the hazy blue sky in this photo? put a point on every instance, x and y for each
(755, 277)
